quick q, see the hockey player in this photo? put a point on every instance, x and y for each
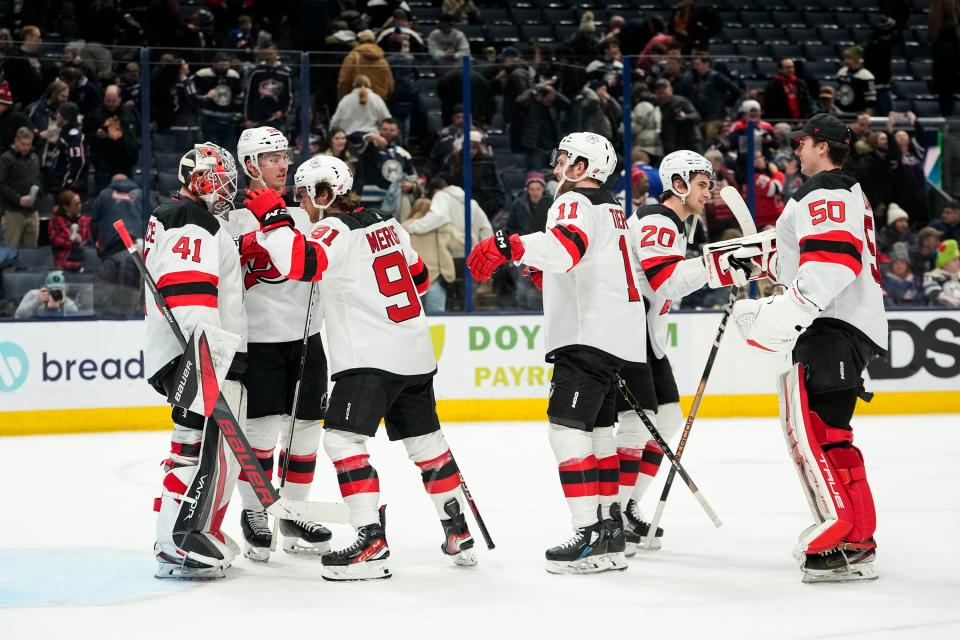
(831, 321)
(276, 312)
(381, 355)
(593, 314)
(194, 261)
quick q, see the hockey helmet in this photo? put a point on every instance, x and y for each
(595, 149)
(322, 169)
(684, 164)
(209, 172)
(257, 141)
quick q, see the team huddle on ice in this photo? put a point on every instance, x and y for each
(267, 276)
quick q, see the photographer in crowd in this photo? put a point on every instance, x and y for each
(48, 300)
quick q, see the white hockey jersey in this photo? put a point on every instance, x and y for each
(276, 307)
(372, 282)
(665, 272)
(590, 294)
(195, 263)
(826, 242)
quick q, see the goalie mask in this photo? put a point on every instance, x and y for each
(328, 170)
(209, 172)
(684, 164)
(257, 141)
(595, 149)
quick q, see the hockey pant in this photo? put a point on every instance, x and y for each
(360, 484)
(640, 455)
(263, 434)
(831, 471)
(200, 475)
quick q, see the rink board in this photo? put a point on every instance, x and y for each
(82, 376)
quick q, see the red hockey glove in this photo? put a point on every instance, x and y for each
(269, 208)
(492, 253)
(535, 275)
(249, 247)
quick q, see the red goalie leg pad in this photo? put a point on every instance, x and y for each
(848, 462)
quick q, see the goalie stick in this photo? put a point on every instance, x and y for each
(230, 427)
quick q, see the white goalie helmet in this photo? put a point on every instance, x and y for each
(257, 141)
(209, 172)
(599, 153)
(684, 164)
(322, 169)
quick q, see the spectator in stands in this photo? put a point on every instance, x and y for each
(219, 98)
(671, 68)
(361, 110)
(405, 98)
(513, 76)
(718, 214)
(787, 95)
(528, 212)
(942, 24)
(906, 157)
(694, 25)
(113, 132)
(827, 101)
(870, 163)
(793, 178)
(645, 122)
(856, 90)
(614, 24)
(19, 186)
(450, 91)
(43, 113)
(443, 147)
(447, 205)
(942, 285)
(710, 91)
(71, 167)
(11, 117)
(436, 246)
(48, 300)
(600, 112)
(925, 258)
(399, 27)
(367, 59)
(269, 91)
(462, 10)
(679, 127)
(382, 160)
(763, 135)
(948, 224)
(117, 277)
(642, 161)
(69, 231)
(877, 58)
(24, 70)
(129, 84)
(446, 44)
(900, 285)
(768, 190)
(537, 123)
(640, 188)
(487, 186)
(83, 93)
(897, 231)
(340, 148)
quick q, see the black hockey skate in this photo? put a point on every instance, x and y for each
(365, 559)
(300, 536)
(636, 529)
(257, 536)
(458, 543)
(850, 562)
(616, 539)
(585, 552)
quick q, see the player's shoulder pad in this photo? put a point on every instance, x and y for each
(832, 180)
(648, 210)
(363, 218)
(177, 214)
(596, 196)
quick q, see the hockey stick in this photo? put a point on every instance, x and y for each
(651, 533)
(732, 198)
(293, 412)
(230, 428)
(632, 401)
(476, 512)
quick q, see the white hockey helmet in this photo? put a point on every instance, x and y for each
(209, 172)
(322, 169)
(259, 140)
(684, 164)
(599, 153)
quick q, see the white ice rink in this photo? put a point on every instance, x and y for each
(77, 530)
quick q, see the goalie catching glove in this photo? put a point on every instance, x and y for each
(741, 260)
(269, 208)
(773, 325)
(492, 253)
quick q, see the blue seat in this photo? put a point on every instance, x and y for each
(538, 33)
(16, 284)
(36, 258)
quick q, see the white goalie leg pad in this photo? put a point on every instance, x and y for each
(303, 456)
(359, 483)
(577, 463)
(631, 438)
(262, 434)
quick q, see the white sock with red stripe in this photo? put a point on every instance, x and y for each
(303, 456)
(359, 482)
(608, 467)
(631, 439)
(438, 469)
(668, 420)
(577, 464)
(262, 434)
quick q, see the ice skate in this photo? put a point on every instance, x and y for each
(365, 559)
(257, 536)
(616, 540)
(458, 543)
(851, 564)
(585, 552)
(635, 531)
(301, 536)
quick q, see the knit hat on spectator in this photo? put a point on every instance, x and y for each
(895, 212)
(900, 251)
(946, 252)
(535, 176)
(70, 112)
(56, 280)
(749, 105)
(587, 22)
(6, 96)
(366, 36)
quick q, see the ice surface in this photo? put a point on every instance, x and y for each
(77, 532)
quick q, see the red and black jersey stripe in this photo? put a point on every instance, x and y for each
(308, 260)
(609, 475)
(355, 475)
(833, 247)
(420, 275)
(580, 478)
(189, 289)
(440, 474)
(573, 240)
(300, 469)
(658, 269)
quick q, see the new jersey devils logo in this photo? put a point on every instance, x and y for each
(260, 269)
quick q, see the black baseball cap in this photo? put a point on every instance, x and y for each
(825, 127)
